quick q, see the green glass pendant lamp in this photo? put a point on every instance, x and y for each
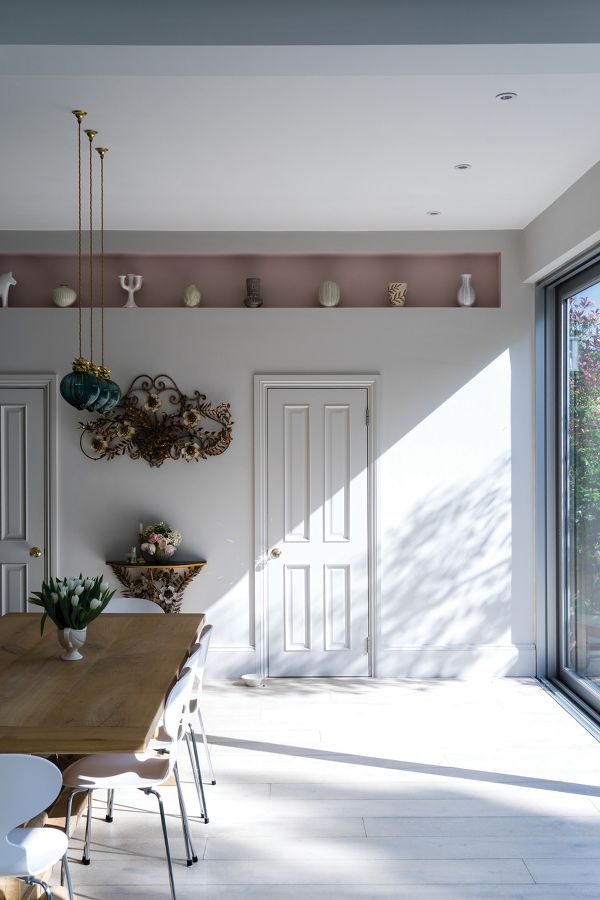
(89, 386)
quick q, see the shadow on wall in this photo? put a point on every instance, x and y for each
(447, 572)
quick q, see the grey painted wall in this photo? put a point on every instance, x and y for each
(455, 436)
(268, 22)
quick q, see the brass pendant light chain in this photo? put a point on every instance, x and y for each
(91, 135)
(79, 115)
(102, 151)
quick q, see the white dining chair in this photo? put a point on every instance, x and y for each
(28, 785)
(128, 605)
(133, 605)
(145, 771)
(195, 703)
(162, 742)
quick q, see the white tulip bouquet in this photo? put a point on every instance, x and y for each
(72, 602)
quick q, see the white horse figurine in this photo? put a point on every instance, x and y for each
(6, 281)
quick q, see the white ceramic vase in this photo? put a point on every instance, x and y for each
(329, 293)
(72, 639)
(63, 295)
(192, 296)
(466, 294)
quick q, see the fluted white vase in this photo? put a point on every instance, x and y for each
(63, 295)
(466, 294)
(329, 293)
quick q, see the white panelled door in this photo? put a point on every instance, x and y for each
(317, 530)
(23, 467)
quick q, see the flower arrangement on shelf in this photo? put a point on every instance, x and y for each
(159, 542)
(72, 602)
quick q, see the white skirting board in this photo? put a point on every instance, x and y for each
(430, 661)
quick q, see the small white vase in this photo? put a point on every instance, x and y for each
(64, 295)
(329, 293)
(72, 639)
(466, 294)
(192, 296)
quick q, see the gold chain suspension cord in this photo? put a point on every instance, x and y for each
(102, 151)
(79, 114)
(91, 135)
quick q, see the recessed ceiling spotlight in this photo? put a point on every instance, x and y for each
(506, 95)
(462, 167)
(434, 212)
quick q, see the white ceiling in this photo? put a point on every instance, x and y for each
(274, 147)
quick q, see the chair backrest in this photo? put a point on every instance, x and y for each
(133, 605)
(28, 785)
(177, 705)
(203, 643)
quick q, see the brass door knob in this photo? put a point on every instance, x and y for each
(275, 553)
(35, 552)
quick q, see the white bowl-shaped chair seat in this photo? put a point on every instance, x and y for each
(28, 785)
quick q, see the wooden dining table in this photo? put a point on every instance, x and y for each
(111, 700)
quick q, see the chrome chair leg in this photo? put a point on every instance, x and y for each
(163, 822)
(191, 853)
(110, 801)
(45, 887)
(65, 870)
(66, 874)
(188, 741)
(205, 742)
(199, 770)
(85, 859)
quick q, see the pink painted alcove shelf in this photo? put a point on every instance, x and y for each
(287, 280)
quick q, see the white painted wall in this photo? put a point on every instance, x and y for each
(568, 227)
(455, 434)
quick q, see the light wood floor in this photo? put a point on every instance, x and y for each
(412, 790)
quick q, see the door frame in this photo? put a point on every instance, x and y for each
(262, 385)
(48, 383)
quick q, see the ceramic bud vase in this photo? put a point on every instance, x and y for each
(466, 293)
(329, 293)
(72, 639)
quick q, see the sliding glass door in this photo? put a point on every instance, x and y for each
(578, 389)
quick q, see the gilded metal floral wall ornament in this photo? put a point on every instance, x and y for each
(155, 421)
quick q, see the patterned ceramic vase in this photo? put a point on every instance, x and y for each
(397, 293)
(72, 639)
(253, 298)
(192, 296)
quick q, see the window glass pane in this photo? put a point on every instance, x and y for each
(581, 442)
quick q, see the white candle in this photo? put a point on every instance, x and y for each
(141, 528)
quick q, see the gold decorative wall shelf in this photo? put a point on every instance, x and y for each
(155, 421)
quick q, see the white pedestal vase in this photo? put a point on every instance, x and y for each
(72, 639)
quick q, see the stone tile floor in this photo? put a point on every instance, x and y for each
(356, 788)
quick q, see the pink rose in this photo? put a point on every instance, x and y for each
(169, 550)
(153, 537)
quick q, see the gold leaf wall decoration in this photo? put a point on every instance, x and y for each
(155, 421)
